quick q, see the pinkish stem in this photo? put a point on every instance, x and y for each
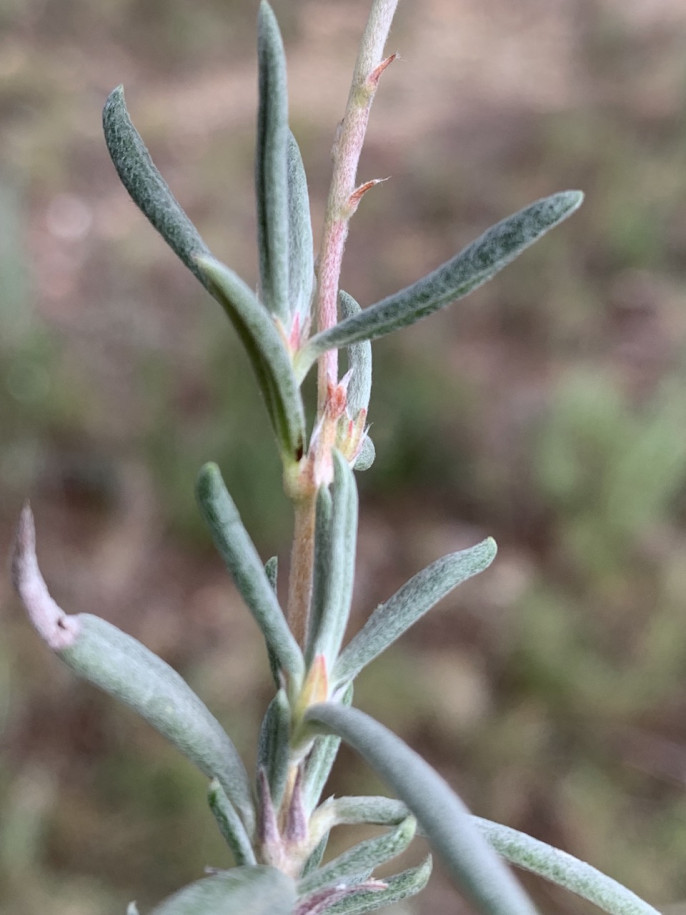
(343, 200)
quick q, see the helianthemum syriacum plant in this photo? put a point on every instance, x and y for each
(275, 822)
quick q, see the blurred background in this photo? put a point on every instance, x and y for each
(548, 409)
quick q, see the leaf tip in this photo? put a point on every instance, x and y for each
(54, 626)
(572, 199)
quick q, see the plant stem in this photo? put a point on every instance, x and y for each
(343, 200)
(302, 565)
(341, 204)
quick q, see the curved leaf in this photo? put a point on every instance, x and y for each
(148, 189)
(474, 265)
(470, 860)
(564, 869)
(351, 811)
(266, 349)
(271, 166)
(248, 890)
(126, 669)
(242, 559)
(392, 618)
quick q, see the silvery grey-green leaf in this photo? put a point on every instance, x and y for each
(246, 890)
(563, 869)
(148, 189)
(126, 669)
(418, 595)
(366, 456)
(242, 559)
(320, 761)
(273, 747)
(337, 570)
(474, 265)
(358, 863)
(229, 824)
(266, 349)
(271, 166)
(475, 868)
(359, 361)
(320, 575)
(394, 889)
(351, 811)
(300, 242)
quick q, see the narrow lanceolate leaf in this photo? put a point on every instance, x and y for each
(393, 889)
(341, 562)
(564, 869)
(475, 868)
(320, 761)
(127, 670)
(351, 811)
(248, 890)
(357, 864)
(320, 577)
(148, 189)
(266, 350)
(300, 243)
(359, 361)
(271, 167)
(392, 618)
(229, 824)
(473, 266)
(241, 558)
(272, 752)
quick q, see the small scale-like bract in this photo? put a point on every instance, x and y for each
(275, 822)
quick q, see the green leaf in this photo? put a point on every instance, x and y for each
(241, 558)
(392, 890)
(273, 746)
(475, 868)
(365, 458)
(148, 189)
(359, 362)
(271, 167)
(229, 824)
(351, 811)
(127, 670)
(255, 327)
(320, 761)
(266, 350)
(300, 243)
(244, 890)
(357, 864)
(320, 575)
(474, 265)
(337, 570)
(392, 618)
(565, 870)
